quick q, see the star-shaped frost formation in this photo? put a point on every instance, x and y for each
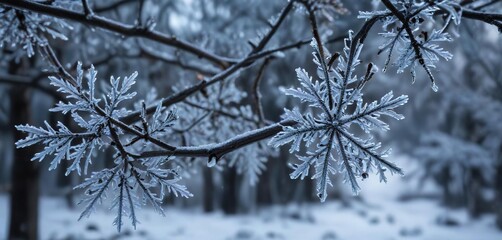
(335, 104)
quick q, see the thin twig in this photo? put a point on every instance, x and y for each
(144, 51)
(219, 111)
(274, 28)
(256, 91)
(87, 9)
(322, 57)
(140, 12)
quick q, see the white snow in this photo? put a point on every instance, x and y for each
(379, 216)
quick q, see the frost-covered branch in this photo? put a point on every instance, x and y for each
(490, 18)
(412, 30)
(151, 54)
(274, 27)
(217, 150)
(120, 28)
(413, 41)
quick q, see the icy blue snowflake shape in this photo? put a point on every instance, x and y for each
(134, 180)
(335, 103)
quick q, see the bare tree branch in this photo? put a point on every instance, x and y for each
(274, 28)
(149, 53)
(120, 28)
(219, 111)
(219, 149)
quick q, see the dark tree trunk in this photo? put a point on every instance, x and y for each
(448, 196)
(279, 189)
(310, 189)
(208, 189)
(498, 191)
(3, 163)
(263, 196)
(25, 186)
(474, 197)
(230, 197)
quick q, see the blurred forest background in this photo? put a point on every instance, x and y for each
(449, 144)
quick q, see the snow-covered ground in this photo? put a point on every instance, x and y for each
(380, 216)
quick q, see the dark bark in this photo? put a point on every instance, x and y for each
(310, 189)
(450, 199)
(283, 188)
(473, 194)
(208, 189)
(498, 191)
(263, 196)
(25, 185)
(230, 194)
